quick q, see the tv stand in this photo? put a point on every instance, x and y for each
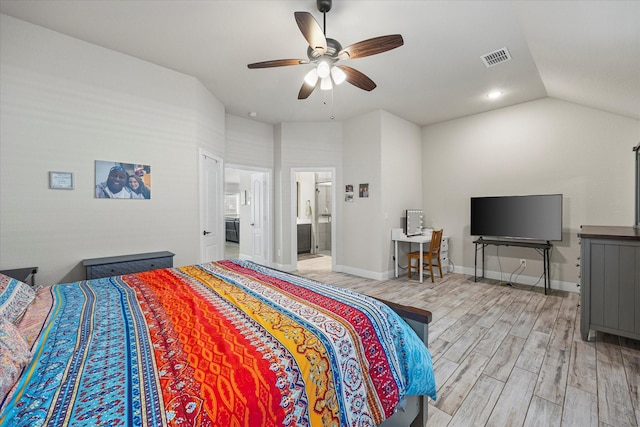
(543, 248)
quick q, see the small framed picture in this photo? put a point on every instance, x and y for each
(364, 190)
(61, 180)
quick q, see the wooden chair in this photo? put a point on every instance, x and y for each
(431, 257)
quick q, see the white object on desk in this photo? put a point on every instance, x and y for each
(397, 235)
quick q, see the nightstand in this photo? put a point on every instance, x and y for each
(22, 274)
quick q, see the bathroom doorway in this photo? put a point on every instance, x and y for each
(314, 199)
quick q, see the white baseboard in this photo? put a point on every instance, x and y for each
(283, 267)
(521, 279)
(361, 273)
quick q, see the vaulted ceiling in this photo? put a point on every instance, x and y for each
(586, 52)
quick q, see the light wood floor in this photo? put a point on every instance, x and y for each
(507, 357)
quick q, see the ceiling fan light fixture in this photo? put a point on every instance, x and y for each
(323, 69)
(324, 52)
(312, 77)
(338, 75)
(325, 83)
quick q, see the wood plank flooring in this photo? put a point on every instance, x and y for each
(511, 356)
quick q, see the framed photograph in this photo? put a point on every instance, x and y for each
(348, 193)
(61, 180)
(364, 190)
(118, 180)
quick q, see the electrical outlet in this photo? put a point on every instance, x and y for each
(523, 262)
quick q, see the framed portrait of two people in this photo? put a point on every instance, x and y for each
(118, 180)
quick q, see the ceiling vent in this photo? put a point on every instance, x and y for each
(496, 57)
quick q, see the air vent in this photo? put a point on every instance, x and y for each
(496, 57)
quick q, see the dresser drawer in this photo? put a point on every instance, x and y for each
(127, 264)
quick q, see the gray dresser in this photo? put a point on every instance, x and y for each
(610, 281)
(126, 264)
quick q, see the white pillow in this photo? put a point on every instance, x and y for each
(15, 297)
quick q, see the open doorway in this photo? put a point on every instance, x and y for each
(314, 201)
(247, 214)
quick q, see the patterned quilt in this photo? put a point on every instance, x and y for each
(230, 343)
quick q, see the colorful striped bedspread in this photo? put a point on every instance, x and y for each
(229, 343)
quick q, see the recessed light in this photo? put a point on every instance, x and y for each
(494, 95)
(253, 114)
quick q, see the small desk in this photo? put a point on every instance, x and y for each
(22, 274)
(542, 248)
(398, 236)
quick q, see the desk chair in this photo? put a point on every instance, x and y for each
(430, 257)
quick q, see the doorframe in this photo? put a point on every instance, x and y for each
(202, 154)
(293, 213)
(267, 208)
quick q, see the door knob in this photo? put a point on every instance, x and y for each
(205, 232)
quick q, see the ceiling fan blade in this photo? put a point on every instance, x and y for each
(311, 31)
(357, 78)
(371, 46)
(306, 90)
(278, 63)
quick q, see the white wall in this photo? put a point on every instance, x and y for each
(250, 148)
(66, 103)
(384, 151)
(402, 173)
(359, 243)
(300, 145)
(248, 143)
(540, 147)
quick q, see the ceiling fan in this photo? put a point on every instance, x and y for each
(326, 52)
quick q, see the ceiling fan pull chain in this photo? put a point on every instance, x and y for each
(332, 115)
(324, 22)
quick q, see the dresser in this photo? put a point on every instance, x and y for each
(126, 264)
(610, 280)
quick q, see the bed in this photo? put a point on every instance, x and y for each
(227, 343)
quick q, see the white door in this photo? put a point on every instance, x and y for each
(259, 216)
(211, 208)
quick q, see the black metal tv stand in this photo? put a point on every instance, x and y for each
(543, 248)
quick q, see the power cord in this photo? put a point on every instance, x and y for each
(517, 273)
(521, 267)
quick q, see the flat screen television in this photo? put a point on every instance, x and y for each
(537, 217)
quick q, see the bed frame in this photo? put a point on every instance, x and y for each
(414, 412)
